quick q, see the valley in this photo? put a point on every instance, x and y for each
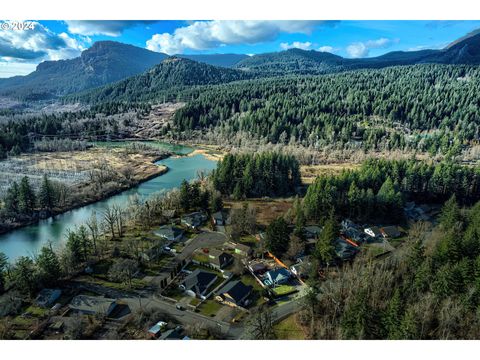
(293, 195)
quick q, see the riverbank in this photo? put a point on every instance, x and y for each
(127, 170)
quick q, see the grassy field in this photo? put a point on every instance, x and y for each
(267, 209)
(209, 307)
(310, 172)
(288, 329)
(284, 290)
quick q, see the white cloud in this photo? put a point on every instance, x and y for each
(296, 45)
(37, 44)
(20, 51)
(112, 28)
(362, 49)
(12, 68)
(357, 50)
(327, 48)
(202, 35)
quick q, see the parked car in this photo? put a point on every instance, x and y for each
(180, 307)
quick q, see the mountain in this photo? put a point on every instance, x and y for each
(223, 60)
(292, 61)
(107, 62)
(465, 37)
(173, 72)
(103, 63)
(466, 51)
(463, 51)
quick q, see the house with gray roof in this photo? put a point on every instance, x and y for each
(169, 232)
(193, 220)
(219, 259)
(92, 305)
(47, 297)
(198, 283)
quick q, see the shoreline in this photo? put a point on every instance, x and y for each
(140, 178)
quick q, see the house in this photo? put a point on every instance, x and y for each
(157, 329)
(173, 334)
(92, 305)
(219, 259)
(241, 249)
(301, 269)
(277, 277)
(193, 220)
(373, 231)
(198, 283)
(169, 232)
(344, 250)
(348, 224)
(47, 297)
(235, 293)
(355, 234)
(257, 267)
(390, 232)
(218, 218)
(312, 232)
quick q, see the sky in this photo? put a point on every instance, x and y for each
(22, 50)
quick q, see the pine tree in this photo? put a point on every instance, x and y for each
(46, 196)
(12, 200)
(26, 197)
(49, 265)
(277, 237)
(185, 201)
(451, 218)
(325, 246)
(24, 275)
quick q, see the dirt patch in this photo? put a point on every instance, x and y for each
(210, 154)
(267, 209)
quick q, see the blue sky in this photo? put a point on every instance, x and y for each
(21, 51)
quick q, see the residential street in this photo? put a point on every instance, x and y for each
(184, 317)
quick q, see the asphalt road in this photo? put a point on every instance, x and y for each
(184, 317)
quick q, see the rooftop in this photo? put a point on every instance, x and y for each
(199, 281)
(237, 290)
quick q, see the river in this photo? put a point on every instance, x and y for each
(27, 241)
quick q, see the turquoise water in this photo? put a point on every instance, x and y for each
(27, 241)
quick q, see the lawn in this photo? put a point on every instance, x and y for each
(374, 249)
(256, 297)
(36, 311)
(200, 257)
(283, 290)
(195, 301)
(153, 269)
(174, 292)
(136, 283)
(249, 240)
(288, 329)
(397, 242)
(250, 280)
(209, 307)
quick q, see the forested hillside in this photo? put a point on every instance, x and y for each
(169, 77)
(379, 189)
(425, 107)
(428, 289)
